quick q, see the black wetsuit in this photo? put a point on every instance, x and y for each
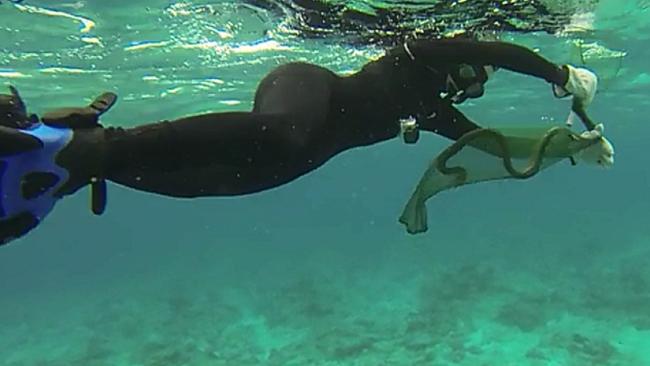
(303, 115)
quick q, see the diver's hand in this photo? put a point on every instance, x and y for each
(594, 134)
(601, 153)
(582, 85)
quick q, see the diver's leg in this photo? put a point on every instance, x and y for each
(448, 122)
(232, 153)
(213, 154)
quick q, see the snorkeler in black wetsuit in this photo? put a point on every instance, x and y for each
(303, 115)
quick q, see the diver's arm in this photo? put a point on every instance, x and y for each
(448, 122)
(566, 79)
(500, 54)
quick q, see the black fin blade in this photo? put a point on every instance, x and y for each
(104, 102)
(16, 227)
(13, 142)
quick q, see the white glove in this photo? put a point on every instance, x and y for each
(594, 134)
(582, 84)
(600, 153)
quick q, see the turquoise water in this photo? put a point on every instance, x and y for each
(551, 271)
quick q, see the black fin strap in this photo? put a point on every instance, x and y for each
(98, 198)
